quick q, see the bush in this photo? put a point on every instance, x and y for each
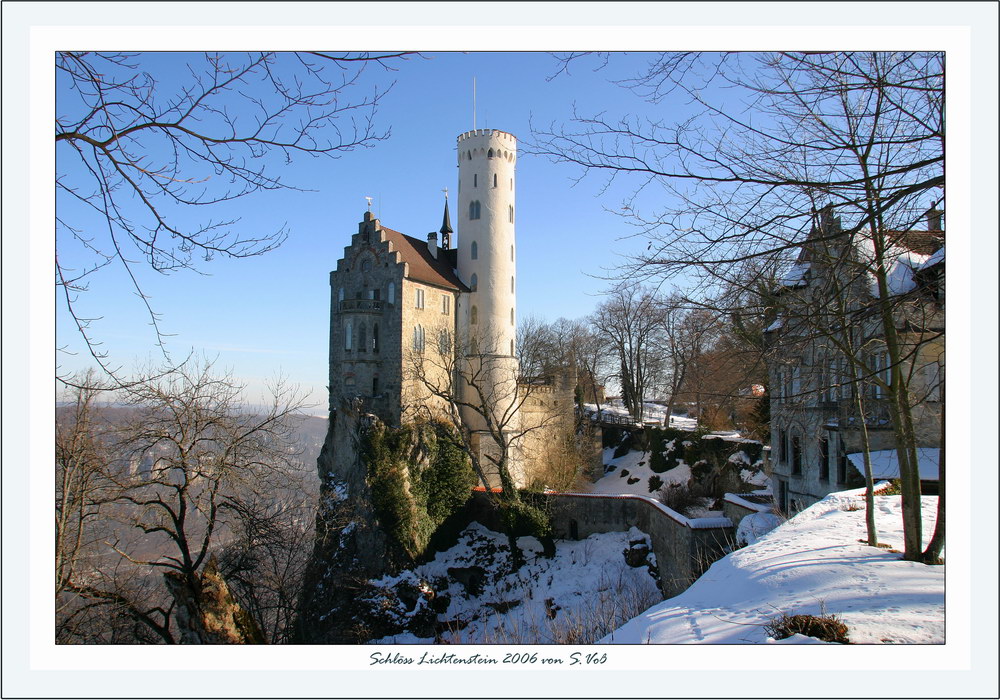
(682, 498)
(655, 483)
(828, 628)
(523, 519)
(418, 477)
(666, 446)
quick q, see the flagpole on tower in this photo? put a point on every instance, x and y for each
(473, 103)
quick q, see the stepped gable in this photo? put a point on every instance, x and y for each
(424, 267)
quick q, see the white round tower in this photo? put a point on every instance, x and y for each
(486, 252)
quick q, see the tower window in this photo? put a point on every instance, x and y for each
(510, 212)
(511, 285)
(494, 179)
(512, 347)
(362, 332)
(474, 251)
(474, 282)
(375, 337)
(374, 386)
(474, 209)
(474, 316)
(490, 154)
(390, 295)
(512, 253)
(348, 336)
(512, 317)
(475, 180)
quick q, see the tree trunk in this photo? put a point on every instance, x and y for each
(932, 555)
(206, 612)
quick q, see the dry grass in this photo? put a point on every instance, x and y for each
(828, 628)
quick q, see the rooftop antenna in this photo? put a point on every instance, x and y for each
(473, 103)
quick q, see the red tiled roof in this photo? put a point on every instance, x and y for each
(424, 267)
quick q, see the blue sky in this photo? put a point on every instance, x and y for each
(268, 315)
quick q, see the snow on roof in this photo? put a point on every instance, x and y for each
(778, 324)
(933, 260)
(886, 466)
(796, 276)
(901, 263)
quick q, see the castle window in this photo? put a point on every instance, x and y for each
(390, 295)
(475, 180)
(512, 347)
(443, 341)
(474, 251)
(512, 253)
(419, 299)
(366, 265)
(348, 336)
(474, 282)
(512, 317)
(375, 337)
(512, 183)
(340, 294)
(510, 212)
(418, 338)
(445, 304)
(512, 285)
(474, 316)
(824, 459)
(796, 454)
(374, 386)
(494, 179)
(490, 154)
(474, 209)
(469, 153)
(362, 333)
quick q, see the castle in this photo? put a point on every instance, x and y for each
(420, 327)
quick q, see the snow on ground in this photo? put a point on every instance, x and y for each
(587, 586)
(636, 481)
(652, 413)
(811, 564)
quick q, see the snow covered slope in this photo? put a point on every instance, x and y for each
(812, 564)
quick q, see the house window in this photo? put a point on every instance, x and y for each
(783, 446)
(474, 282)
(418, 338)
(783, 495)
(445, 304)
(390, 295)
(419, 297)
(474, 316)
(824, 459)
(474, 251)
(444, 341)
(796, 454)
(933, 372)
(348, 336)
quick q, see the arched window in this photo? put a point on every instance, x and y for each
(490, 154)
(494, 179)
(474, 251)
(474, 316)
(469, 153)
(474, 282)
(474, 209)
(390, 295)
(375, 337)
(418, 338)
(362, 334)
(348, 336)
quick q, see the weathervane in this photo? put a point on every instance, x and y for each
(445, 190)
(369, 203)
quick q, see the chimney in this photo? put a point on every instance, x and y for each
(934, 219)
(432, 243)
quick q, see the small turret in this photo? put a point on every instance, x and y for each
(446, 229)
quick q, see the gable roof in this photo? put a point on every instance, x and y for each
(424, 267)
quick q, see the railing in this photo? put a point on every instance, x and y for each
(371, 306)
(877, 413)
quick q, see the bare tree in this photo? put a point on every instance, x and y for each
(629, 320)
(745, 168)
(144, 140)
(186, 469)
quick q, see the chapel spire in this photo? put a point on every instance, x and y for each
(446, 229)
